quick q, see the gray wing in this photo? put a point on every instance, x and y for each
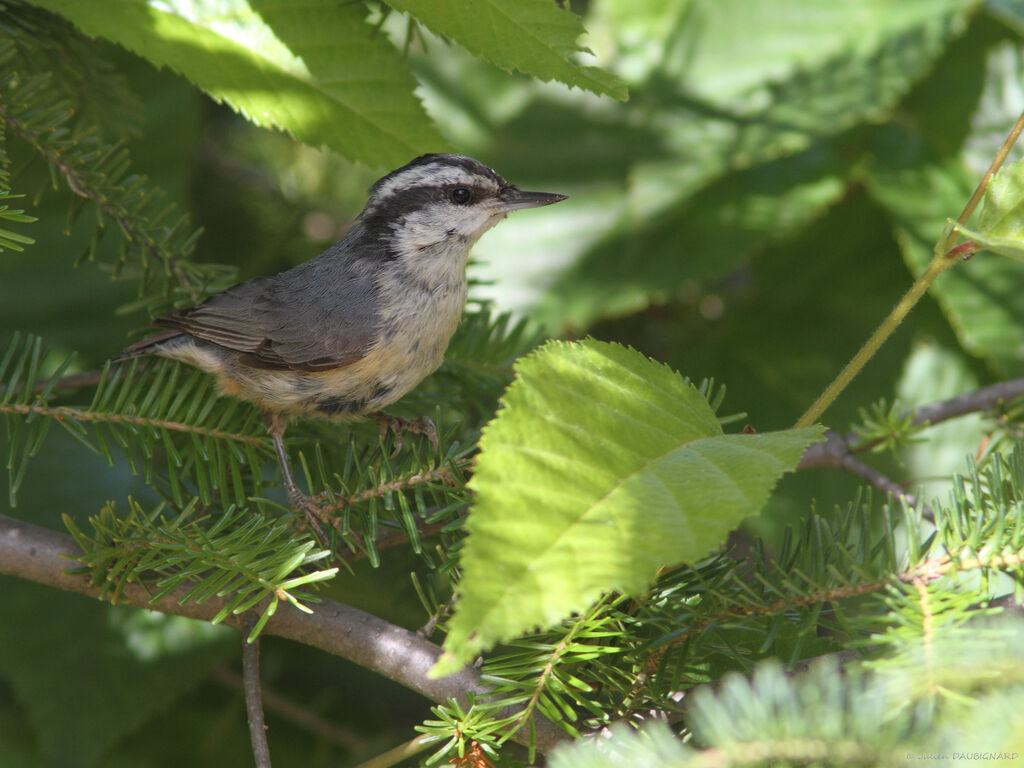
(315, 317)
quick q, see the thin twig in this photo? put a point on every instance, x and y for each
(76, 414)
(838, 451)
(74, 381)
(253, 694)
(984, 399)
(939, 263)
(337, 503)
(997, 163)
(286, 709)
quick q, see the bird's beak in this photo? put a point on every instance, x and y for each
(512, 199)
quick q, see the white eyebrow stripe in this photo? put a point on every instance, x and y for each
(435, 174)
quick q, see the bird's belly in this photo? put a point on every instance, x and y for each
(411, 346)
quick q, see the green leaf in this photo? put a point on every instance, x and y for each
(1000, 226)
(747, 81)
(535, 37)
(745, 96)
(983, 299)
(320, 75)
(729, 48)
(602, 467)
(735, 217)
(923, 172)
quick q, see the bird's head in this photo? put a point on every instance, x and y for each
(442, 203)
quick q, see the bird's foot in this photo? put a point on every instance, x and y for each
(312, 514)
(422, 426)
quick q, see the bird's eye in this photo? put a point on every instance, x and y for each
(460, 195)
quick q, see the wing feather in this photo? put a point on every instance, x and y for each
(318, 316)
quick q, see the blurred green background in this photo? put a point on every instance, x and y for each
(780, 171)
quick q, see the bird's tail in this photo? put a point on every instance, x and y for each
(146, 346)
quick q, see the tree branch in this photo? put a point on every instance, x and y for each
(284, 708)
(984, 399)
(41, 555)
(254, 693)
(838, 449)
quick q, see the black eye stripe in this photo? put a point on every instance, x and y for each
(387, 210)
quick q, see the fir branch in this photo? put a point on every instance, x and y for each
(63, 413)
(978, 530)
(556, 656)
(12, 241)
(936, 568)
(337, 503)
(809, 751)
(389, 538)
(39, 110)
(84, 179)
(247, 558)
(830, 452)
(368, 489)
(927, 571)
(927, 628)
(775, 607)
(98, 91)
(40, 555)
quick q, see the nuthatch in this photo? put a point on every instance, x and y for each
(353, 330)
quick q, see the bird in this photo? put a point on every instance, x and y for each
(355, 328)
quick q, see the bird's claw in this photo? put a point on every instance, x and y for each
(311, 512)
(422, 426)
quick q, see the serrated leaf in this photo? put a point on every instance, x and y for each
(746, 96)
(320, 75)
(535, 37)
(982, 299)
(1000, 227)
(602, 467)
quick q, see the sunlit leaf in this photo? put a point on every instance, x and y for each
(602, 467)
(320, 75)
(535, 37)
(1000, 226)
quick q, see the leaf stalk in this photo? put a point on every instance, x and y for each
(945, 256)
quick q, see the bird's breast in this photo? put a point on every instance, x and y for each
(416, 323)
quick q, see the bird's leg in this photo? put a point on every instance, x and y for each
(299, 501)
(422, 426)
